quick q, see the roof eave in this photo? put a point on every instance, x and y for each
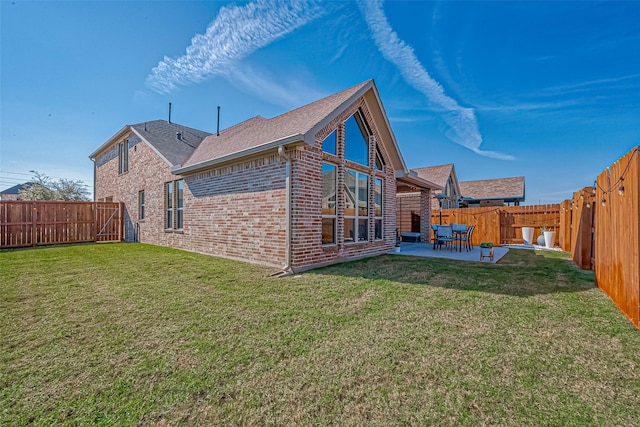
(289, 140)
(110, 141)
(413, 180)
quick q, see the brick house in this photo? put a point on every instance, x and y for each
(311, 187)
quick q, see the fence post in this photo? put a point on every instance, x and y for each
(33, 210)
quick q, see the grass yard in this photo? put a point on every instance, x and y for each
(131, 334)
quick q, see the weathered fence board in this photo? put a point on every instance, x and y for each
(25, 223)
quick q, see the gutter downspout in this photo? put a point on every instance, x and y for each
(286, 270)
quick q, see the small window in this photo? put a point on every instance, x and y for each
(168, 205)
(123, 157)
(141, 204)
(329, 208)
(378, 208)
(329, 144)
(179, 203)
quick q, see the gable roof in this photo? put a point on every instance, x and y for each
(437, 174)
(494, 189)
(162, 136)
(297, 126)
(16, 188)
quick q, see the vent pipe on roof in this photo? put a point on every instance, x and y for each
(169, 112)
(218, 125)
(179, 136)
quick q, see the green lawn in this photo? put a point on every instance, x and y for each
(131, 334)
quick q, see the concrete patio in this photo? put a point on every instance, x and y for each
(426, 250)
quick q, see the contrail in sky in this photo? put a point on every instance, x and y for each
(463, 127)
(236, 32)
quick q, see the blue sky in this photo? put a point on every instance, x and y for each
(548, 90)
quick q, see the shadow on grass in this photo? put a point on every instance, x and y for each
(520, 273)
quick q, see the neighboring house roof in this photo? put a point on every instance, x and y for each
(494, 189)
(162, 136)
(437, 174)
(16, 188)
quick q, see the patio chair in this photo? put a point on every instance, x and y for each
(466, 237)
(444, 236)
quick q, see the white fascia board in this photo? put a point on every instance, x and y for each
(239, 154)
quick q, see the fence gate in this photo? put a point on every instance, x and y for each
(108, 222)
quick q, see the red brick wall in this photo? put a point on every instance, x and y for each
(235, 212)
(239, 211)
(306, 177)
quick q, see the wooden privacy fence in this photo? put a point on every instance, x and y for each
(617, 234)
(503, 225)
(24, 223)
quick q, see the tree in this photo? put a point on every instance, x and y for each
(43, 188)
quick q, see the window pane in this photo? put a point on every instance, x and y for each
(120, 159)
(329, 143)
(141, 204)
(328, 230)
(363, 195)
(378, 197)
(350, 195)
(363, 230)
(379, 162)
(328, 189)
(378, 233)
(169, 199)
(126, 156)
(180, 190)
(169, 223)
(349, 229)
(356, 141)
(179, 218)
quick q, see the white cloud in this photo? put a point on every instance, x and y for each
(236, 32)
(294, 93)
(463, 127)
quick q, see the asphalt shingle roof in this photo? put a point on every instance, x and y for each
(259, 131)
(437, 174)
(16, 188)
(162, 135)
(500, 188)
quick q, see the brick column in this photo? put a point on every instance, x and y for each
(425, 215)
